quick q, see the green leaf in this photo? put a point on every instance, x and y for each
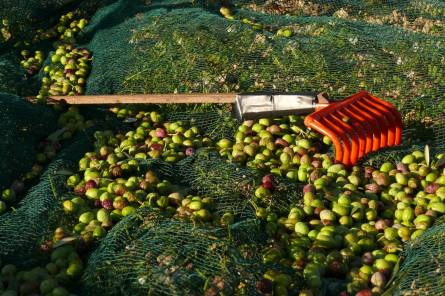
(427, 155)
(64, 172)
(68, 196)
(64, 241)
(130, 120)
(56, 135)
(440, 163)
(395, 273)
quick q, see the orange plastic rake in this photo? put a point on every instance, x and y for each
(358, 125)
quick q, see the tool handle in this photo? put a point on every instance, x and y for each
(214, 98)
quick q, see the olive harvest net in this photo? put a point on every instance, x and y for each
(183, 46)
(12, 78)
(36, 214)
(393, 49)
(23, 125)
(422, 268)
(23, 20)
(22, 230)
(183, 259)
(232, 186)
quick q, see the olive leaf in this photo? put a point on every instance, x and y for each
(55, 136)
(130, 120)
(67, 196)
(64, 241)
(395, 273)
(427, 155)
(441, 162)
(355, 209)
(64, 172)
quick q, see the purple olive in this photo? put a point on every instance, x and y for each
(432, 188)
(107, 204)
(161, 133)
(90, 184)
(308, 188)
(156, 147)
(18, 186)
(189, 151)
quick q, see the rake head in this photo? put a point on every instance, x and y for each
(358, 125)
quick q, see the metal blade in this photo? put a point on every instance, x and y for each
(254, 106)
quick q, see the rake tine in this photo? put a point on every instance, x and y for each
(394, 122)
(365, 132)
(379, 120)
(397, 116)
(373, 122)
(336, 125)
(357, 136)
(357, 126)
(351, 134)
(320, 126)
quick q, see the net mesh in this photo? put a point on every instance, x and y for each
(23, 126)
(181, 46)
(215, 121)
(10, 74)
(40, 210)
(394, 49)
(421, 271)
(232, 186)
(183, 259)
(198, 259)
(22, 20)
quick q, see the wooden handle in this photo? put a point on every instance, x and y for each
(215, 98)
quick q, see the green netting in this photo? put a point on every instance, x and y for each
(339, 47)
(23, 125)
(10, 74)
(167, 47)
(231, 186)
(20, 20)
(394, 49)
(200, 258)
(215, 121)
(40, 211)
(184, 46)
(428, 9)
(157, 256)
(422, 267)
